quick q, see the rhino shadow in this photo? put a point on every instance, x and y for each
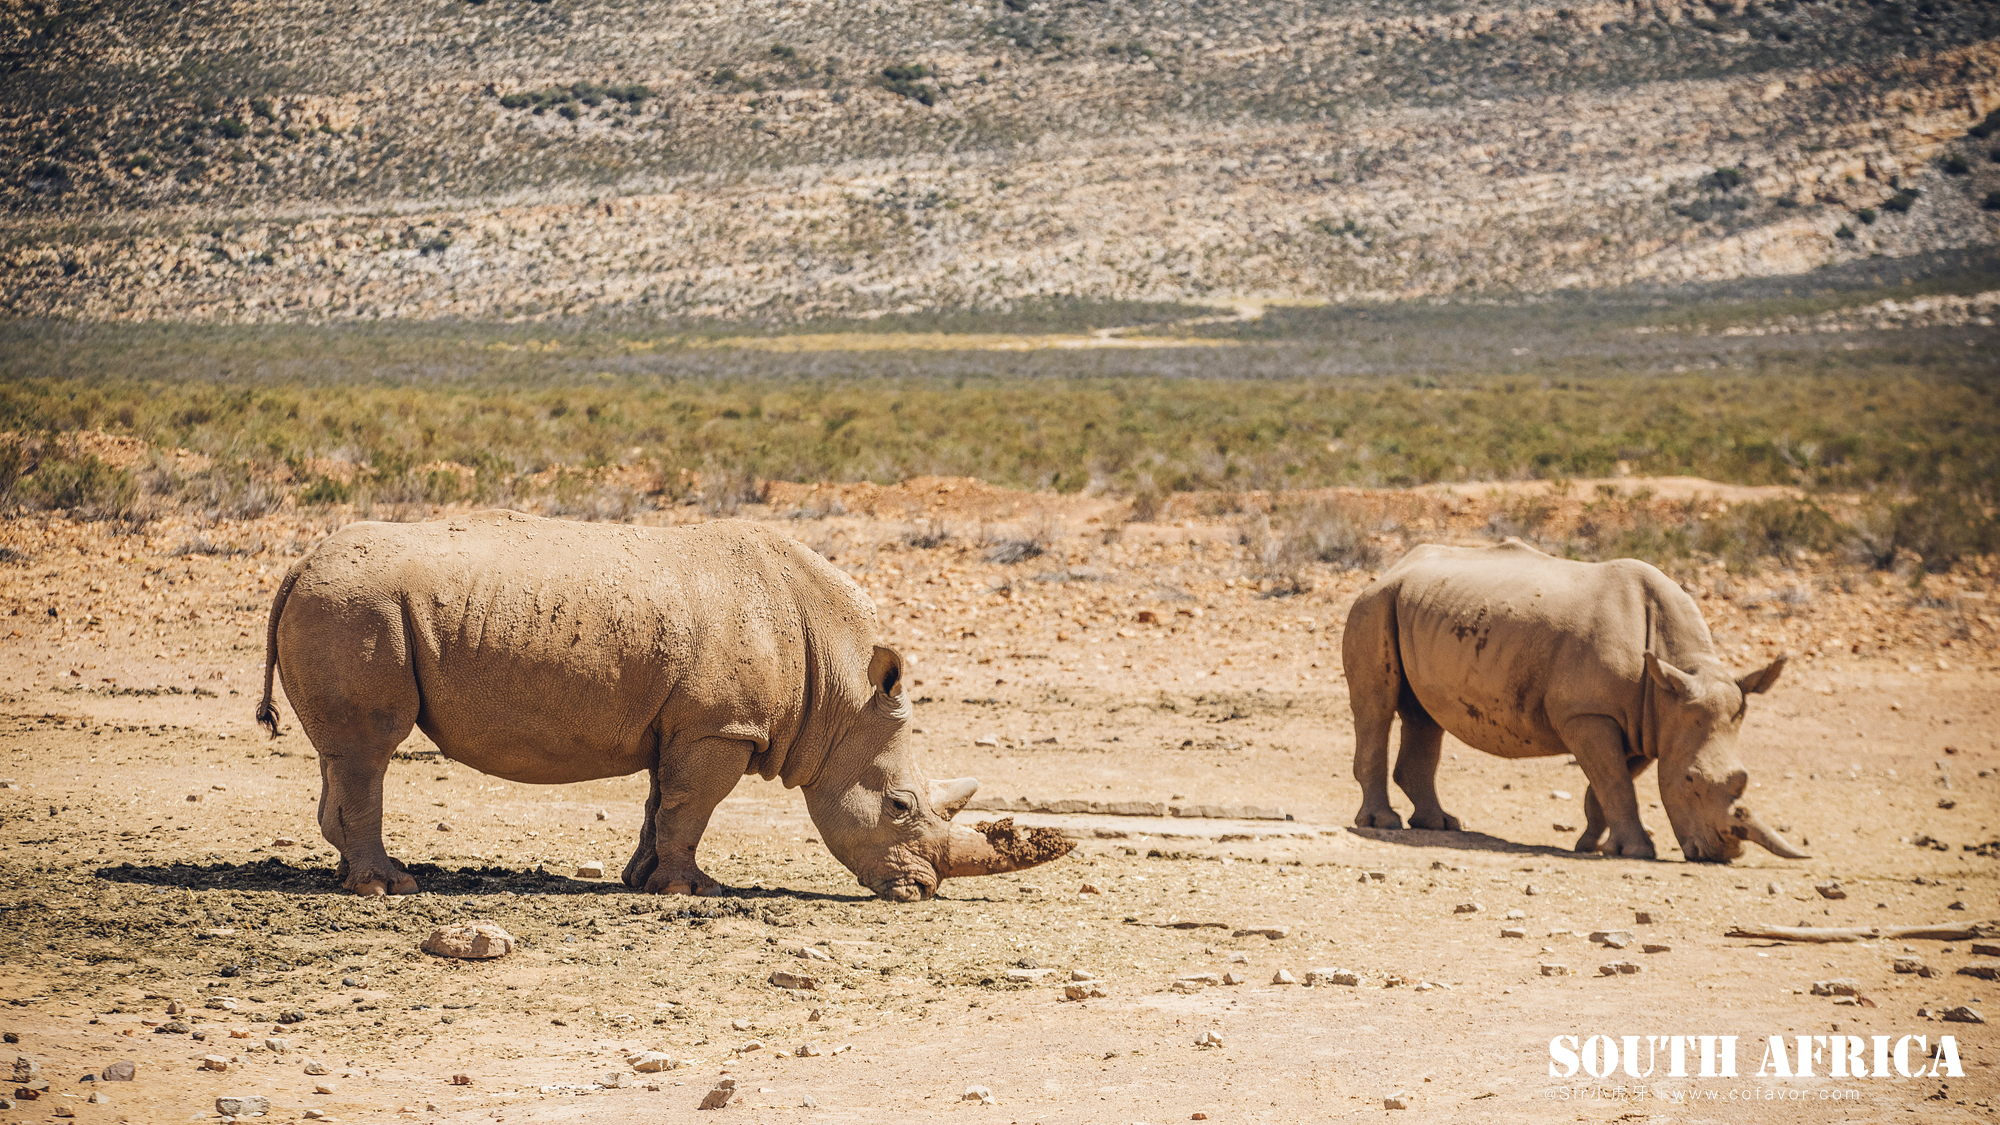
(277, 876)
(1465, 842)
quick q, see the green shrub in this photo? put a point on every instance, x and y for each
(1867, 216)
(263, 108)
(1956, 166)
(232, 128)
(1770, 529)
(1902, 201)
(60, 479)
(1844, 231)
(1992, 201)
(1939, 526)
(1726, 179)
(321, 491)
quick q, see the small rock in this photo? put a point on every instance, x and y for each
(1984, 970)
(814, 953)
(1617, 968)
(815, 1015)
(808, 1051)
(1239, 959)
(98, 1097)
(322, 1088)
(1284, 976)
(602, 815)
(124, 1070)
(800, 981)
(172, 1027)
(1841, 986)
(175, 1007)
(1333, 976)
(652, 1062)
(808, 1102)
(987, 741)
(1642, 917)
(284, 842)
(1908, 965)
(1275, 933)
(1830, 889)
(444, 826)
(1081, 974)
(314, 1066)
(215, 1063)
(1467, 908)
(750, 1047)
(474, 942)
(1082, 992)
(1963, 1014)
(979, 1094)
(1657, 947)
(1531, 889)
(461, 1080)
(1029, 975)
(243, 1105)
(315, 1115)
(740, 1024)
(720, 1095)
(1773, 889)
(1199, 978)
(1513, 933)
(590, 869)
(614, 1080)
(26, 1069)
(1377, 876)
(1208, 1039)
(277, 1046)
(1234, 978)
(1616, 939)
(1558, 795)
(1516, 915)
(1397, 1100)
(1089, 889)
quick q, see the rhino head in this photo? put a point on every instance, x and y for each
(890, 824)
(1696, 718)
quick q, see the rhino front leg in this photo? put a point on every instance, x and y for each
(646, 858)
(1611, 801)
(689, 781)
(1417, 767)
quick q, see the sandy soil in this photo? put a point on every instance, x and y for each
(142, 864)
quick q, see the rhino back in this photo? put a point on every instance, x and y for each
(1502, 645)
(550, 651)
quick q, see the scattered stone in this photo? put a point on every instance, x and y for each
(1398, 1100)
(815, 1015)
(602, 815)
(243, 1105)
(1908, 965)
(172, 1027)
(322, 1088)
(808, 1102)
(1377, 876)
(979, 1094)
(221, 1004)
(1199, 978)
(461, 1080)
(614, 1080)
(1984, 970)
(1657, 947)
(1642, 917)
(740, 1024)
(1467, 908)
(1516, 915)
(1239, 959)
(10, 1037)
(800, 981)
(314, 1066)
(1208, 1039)
(1963, 1014)
(652, 1062)
(124, 1070)
(1979, 949)
(1616, 968)
(808, 1051)
(98, 1097)
(444, 826)
(1284, 976)
(1086, 992)
(750, 1047)
(1513, 932)
(175, 1007)
(293, 1016)
(1081, 974)
(26, 1069)
(1029, 975)
(1234, 978)
(1275, 933)
(1089, 889)
(215, 1063)
(590, 869)
(277, 1046)
(1531, 889)
(1841, 986)
(720, 1095)
(315, 1115)
(814, 953)
(474, 942)
(1333, 976)
(1616, 939)
(1830, 889)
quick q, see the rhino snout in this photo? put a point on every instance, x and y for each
(903, 890)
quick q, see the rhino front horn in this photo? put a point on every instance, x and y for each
(1749, 826)
(996, 846)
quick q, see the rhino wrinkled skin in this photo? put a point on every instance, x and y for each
(546, 651)
(1523, 655)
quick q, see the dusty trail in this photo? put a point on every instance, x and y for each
(129, 673)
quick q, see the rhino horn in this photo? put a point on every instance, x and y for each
(950, 795)
(1749, 826)
(996, 846)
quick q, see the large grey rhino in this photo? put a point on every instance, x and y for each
(1522, 655)
(545, 651)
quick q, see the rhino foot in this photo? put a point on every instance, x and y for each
(1440, 821)
(1642, 848)
(374, 880)
(1378, 818)
(695, 882)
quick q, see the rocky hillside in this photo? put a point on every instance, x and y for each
(257, 160)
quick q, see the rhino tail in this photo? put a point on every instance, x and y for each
(267, 711)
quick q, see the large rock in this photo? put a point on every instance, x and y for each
(475, 942)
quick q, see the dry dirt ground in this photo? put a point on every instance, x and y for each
(142, 861)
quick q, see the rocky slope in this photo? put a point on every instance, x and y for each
(285, 160)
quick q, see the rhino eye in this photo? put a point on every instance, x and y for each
(901, 803)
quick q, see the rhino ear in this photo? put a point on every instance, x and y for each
(1760, 681)
(885, 671)
(1670, 679)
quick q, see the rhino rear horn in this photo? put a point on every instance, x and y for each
(949, 796)
(1749, 826)
(997, 846)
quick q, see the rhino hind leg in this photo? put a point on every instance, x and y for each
(1417, 766)
(350, 817)
(646, 857)
(1593, 821)
(688, 782)
(1374, 682)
